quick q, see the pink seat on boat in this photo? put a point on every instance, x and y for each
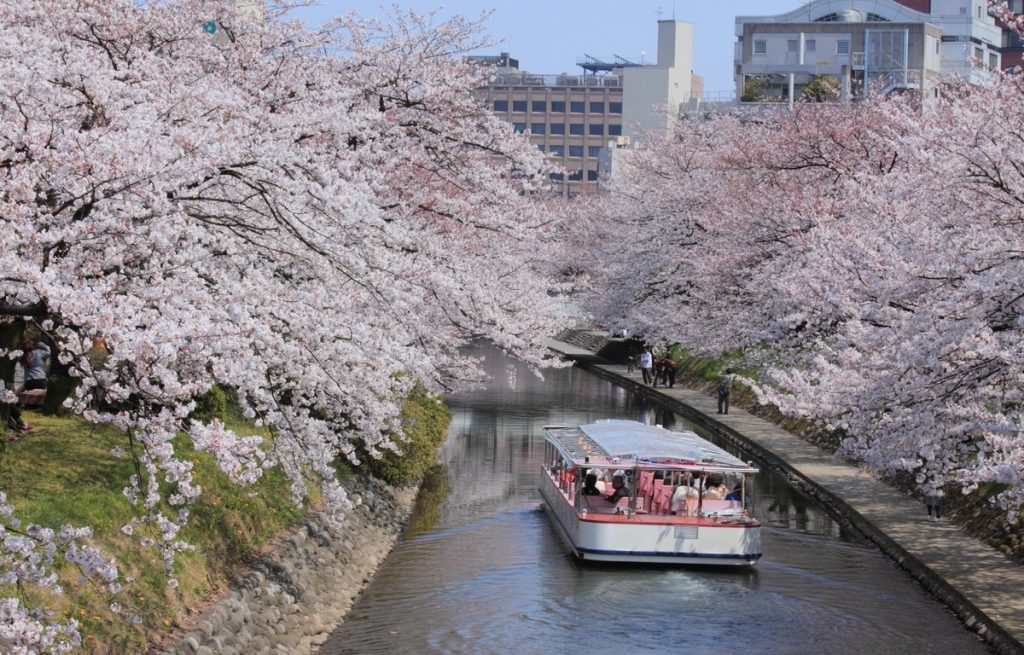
(646, 482)
(652, 494)
(662, 499)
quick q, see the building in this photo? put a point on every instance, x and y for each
(849, 48)
(1012, 50)
(572, 117)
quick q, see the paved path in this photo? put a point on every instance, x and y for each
(980, 584)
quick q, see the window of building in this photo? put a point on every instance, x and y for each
(760, 46)
(556, 128)
(519, 127)
(556, 177)
(501, 105)
(577, 107)
(537, 128)
(843, 47)
(810, 45)
(979, 54)
(558, 151)
(575, 128)
(979, 11)
(557, 106)
(593, 151)
(596, 129)
(539, 106)
(576, 175)
(614, 107)
(792, 45)
(592, 176)
(597, 108)
(540, 147)
(963, 11)
(575, 151)
(937, 45)
(614, 130)
(993, 60)
(518, 105)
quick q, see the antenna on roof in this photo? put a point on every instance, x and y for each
(659, 11)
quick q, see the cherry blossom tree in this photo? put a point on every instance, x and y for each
(865, 257)
(316, 219)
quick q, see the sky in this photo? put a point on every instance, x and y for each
(548, 36)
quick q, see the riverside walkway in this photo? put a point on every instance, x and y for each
(981, 585)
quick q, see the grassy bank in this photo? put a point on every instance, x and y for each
(64, 472)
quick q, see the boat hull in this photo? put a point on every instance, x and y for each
(651, 540)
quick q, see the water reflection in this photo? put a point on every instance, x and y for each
(482, 571)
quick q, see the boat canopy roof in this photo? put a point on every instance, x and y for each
(629, 443)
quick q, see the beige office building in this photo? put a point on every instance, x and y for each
(572, 118)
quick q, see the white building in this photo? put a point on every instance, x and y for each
(864, 46)
(652, 95)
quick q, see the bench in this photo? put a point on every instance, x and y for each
(32, 397)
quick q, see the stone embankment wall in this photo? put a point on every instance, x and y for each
(293, 597)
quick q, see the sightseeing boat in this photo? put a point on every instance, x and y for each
(683, 500)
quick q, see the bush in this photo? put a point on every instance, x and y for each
(425, 420)
(212, 404)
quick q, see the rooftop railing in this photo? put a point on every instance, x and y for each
(529, 79)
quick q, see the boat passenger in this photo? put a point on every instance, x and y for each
(682, 494)
(619, 489)
(590, 486)
(736, 493)
(716, 488)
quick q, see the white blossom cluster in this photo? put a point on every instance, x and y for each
(315, 219)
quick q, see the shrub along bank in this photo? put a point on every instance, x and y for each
(65, 471)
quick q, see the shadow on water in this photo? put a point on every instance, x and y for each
(482, 570)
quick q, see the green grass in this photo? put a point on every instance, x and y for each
(63, 472)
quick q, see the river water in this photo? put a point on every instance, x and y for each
(481, 570)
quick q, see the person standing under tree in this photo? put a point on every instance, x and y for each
(724, 384)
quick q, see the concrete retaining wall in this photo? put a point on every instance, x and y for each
(294, 597)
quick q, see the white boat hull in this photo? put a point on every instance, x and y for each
(661, 540)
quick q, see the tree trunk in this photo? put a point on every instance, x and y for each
(10, 337)
(59, 385)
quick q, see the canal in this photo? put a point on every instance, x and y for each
(481, 570)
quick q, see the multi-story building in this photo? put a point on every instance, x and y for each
(848, 48)
(572, 117)
(1012, 50)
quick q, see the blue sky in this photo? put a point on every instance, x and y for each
(548, 36)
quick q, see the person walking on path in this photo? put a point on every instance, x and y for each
(671, 368)
(647, 366)
(932, 500)
(630, 362)
(724, 384)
